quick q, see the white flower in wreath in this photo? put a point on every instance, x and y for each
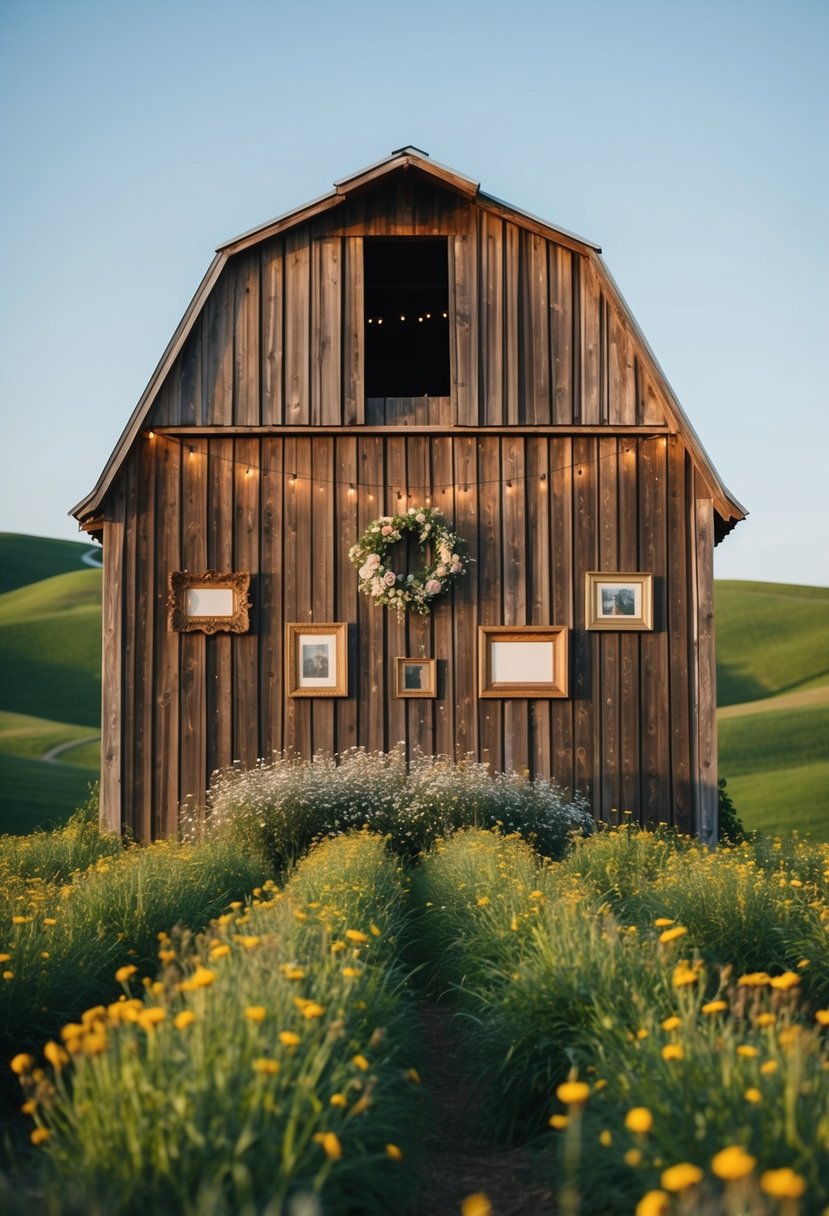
(389, 578)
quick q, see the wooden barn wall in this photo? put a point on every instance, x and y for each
(192, 703)
(533, 339)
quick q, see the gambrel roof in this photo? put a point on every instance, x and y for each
(410, 160)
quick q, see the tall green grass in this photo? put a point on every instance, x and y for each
(268, 1063)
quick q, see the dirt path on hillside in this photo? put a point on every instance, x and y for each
(51, 757)
(457, 1164)
(807, 698)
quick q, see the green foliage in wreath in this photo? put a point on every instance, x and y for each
(409, 591)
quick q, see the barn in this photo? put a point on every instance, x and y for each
(411, 353)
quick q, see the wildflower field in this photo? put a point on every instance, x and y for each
(232, 1024)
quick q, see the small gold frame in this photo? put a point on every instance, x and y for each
(618, 600)
(317, 656)
(214, 601)
(529, 661)
(415, 677)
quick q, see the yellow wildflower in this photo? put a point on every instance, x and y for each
(654, 1203)
(639, 1119)
(483, 901)
(148, 1019)
(338, 1100)
(683, 975)
(536, 894)
(412, 1074)
(202, 977)
(573, 1093)
(605, 1138)
(313, 1010)
(265, 1066)
(355, 935)
(785, 981)
(55, 1054)
(40, 1135)
(715, 1007)
(360, 1062)
(732, 1163)
(4, 958)
(476, 1204)
(22, 1063)
(782, 1184)
(394, 1152)
(250, 941)
(765, 1019)
(184, 1019)
(753, 1095)
(289, 1038)
(256, 1013)
(49, 920)
(673, 1051)
(331, 1146)
(671, 1023)
(670, 935)
(754, 979)
(822, 1017)
(559, 1122)
(375, 932)
(633, 1157)
(747, 1051)
(680, 1177)
(662, 922)
(125, 973)
(768, 1067)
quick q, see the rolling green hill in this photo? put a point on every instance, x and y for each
(50, 694)
(773, 689)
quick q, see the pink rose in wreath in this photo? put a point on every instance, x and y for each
(389, 578)
(433, 586)
(386, 530)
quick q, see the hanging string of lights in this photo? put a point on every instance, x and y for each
(419, 317)
(414, 492)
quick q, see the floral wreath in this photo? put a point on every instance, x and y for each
(414, 591)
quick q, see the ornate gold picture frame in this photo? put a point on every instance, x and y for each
(317, 659)
(214, 601)
(523, 661)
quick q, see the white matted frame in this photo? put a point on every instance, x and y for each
(317, 659)
(530, 661)
(415, 677)
(618, 600)
(214, 601)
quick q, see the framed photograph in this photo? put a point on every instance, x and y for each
(522, 660)
(618, 600)
(415, 677)
(317, 660)
(212, 602)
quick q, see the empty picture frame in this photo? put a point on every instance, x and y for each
(415, 677)
(618, 600)
(317, 659)
(522, 661)
(214, 601)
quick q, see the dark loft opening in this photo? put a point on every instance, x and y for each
(407, 316)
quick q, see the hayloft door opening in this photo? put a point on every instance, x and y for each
(407, 316)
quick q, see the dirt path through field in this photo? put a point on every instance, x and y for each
(456, 1162)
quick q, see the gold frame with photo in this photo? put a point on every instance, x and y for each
(400, 689)
(332, 678)
(605, 587)
(182, 601)
(494, 683)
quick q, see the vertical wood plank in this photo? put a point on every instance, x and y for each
(273, 319)
(608, 691)
(246, 331)
(246, 477)
(654, 704)
(217, 353)
(269, 624)
(130, 727)
(112, 674)
(166, 743)
(443, 496)
(585, 650)
(192, 708)
(707, 797)
(561, 329)
(150, 458)
(220, 557)
(678, 640)
(621, 378)
(511, 409)
(297, 328)
(353, 340)
(539, 590)
(492, 319)
(420, 712)
(371, 503)
(323, 572)
(346, 606)
(562, 712)
(326, 331)
(534, 319)
(590, 298)
(491, 587)
(629, 649)
(463, 275)
(514, 566)
(396, 502)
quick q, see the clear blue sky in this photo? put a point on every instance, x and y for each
(687, 139)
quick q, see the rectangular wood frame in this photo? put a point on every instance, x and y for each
(503, 675)
(331, 677)
(428, 680)
(618, 600)
(225, 591)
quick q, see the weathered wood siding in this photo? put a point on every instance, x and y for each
(568, 465)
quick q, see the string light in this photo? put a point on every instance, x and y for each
(151, 434)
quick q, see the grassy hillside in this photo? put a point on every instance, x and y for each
(28, 559)
(50, 695)
(773, 682)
